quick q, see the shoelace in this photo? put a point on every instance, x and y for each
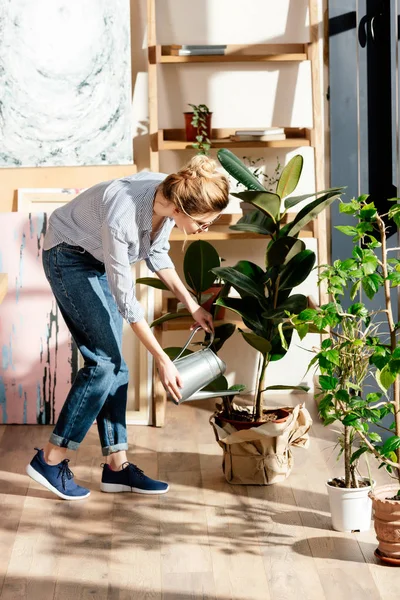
(64, 472)
(133, 469)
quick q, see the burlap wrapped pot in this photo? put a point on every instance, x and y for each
(262, 455)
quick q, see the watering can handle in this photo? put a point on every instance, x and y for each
(190, 339)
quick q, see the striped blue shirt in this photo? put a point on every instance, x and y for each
(113, 222)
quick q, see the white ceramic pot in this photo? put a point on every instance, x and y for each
(351, 508)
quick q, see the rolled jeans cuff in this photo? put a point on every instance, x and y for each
(63, 442)
(107, 450)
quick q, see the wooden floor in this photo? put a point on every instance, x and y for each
(203, 540)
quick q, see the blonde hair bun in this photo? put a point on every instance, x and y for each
(199, 166)
(198, 188)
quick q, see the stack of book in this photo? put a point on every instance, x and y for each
(270, 134)
(196, 50)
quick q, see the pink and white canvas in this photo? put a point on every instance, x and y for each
(38, 361)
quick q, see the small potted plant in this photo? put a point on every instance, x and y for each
(198, 127)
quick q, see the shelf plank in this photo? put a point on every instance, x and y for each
(233, 53)
(224, 233)
(175, 139)
(231, 58)
(186, 322)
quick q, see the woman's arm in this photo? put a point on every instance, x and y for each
(173, 282)
(167, 371)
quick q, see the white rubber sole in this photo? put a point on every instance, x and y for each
(40, 479)
(118, 487)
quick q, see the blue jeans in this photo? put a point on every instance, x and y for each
(80, 286)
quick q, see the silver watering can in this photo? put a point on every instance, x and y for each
(198, 370)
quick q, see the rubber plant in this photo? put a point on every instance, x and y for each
(266, 293)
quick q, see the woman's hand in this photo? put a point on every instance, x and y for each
(169, 376)
(203, 319)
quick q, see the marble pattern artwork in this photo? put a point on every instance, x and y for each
(38, 360)
(65, 83)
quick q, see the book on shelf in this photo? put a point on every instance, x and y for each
(215, 52)
(258, 138)
(266, 131)
(195, 50)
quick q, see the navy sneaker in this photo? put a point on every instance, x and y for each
(130, 479)
(56, 478)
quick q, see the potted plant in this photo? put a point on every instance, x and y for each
(198, 127)
(372, 270)
(266, 295)
(344, 365)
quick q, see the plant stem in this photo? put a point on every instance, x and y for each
(389, 314)
(259, 402)
(347, 456)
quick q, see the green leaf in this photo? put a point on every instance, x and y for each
(246, 285)
(308, 314)
(170, 317)
(267, 202)
(369, 264)
(294, 304)
(374, 437)
(283, 340)
(309, 212)
(354, 289)
(238, 387)
(290, 176)
(152, 282)
(302, 388)
(222, 333)
(327, 382)
(373, 397)
(174, 351)
(293, 200)
(343, 396)
(257, 342)
(385, 378)
(279, 250)
(200, 258)
(356, 455)
(255, 222)
(370, 285)
(297, 270)
(391, 444)
(247, 308)
(368, 212)
(333, 356)
(234, 166)
(346, 229)
(277, 350)
(349, 208)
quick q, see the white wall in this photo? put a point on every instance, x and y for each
(247, 95)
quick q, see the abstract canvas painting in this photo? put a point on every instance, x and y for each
(65, 83)
(38, 359)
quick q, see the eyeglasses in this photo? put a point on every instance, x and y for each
(201, 226)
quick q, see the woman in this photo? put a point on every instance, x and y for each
(88, 249)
